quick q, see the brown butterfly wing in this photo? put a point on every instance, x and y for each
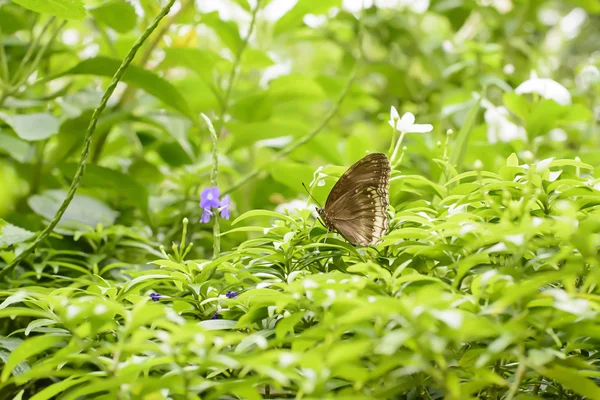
(357, 204)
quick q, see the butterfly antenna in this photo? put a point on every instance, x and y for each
(311, 196)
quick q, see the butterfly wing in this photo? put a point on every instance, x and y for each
(357, 204)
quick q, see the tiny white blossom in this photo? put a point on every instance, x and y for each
(508, 69)
(588, 76)
(547, 88)
(448, 46)
(416, 6)
(499, 127)
(407, 124)
(394, 116)
(558, 135)
(570, 25)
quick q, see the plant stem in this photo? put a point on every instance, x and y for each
(4, 71)
(514, 388)
(109, 42)
(32, 45)
(236, 63)
(38, 56)
(397, 147)
(213, 180)
(39, 165)
(88, 140)
(303, 140)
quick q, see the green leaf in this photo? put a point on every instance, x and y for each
(28, 348)
(137, 76)
(201, 61)
(461, 144)
(294, 18)
(101, 177)
(59, 387)
(263, 213)
(291, 174)
(118, 14)
(249, 133)
(295, 87)
(572, 379)
(254, 58)
(11, 20)
(82, 210)
(228, 31)
(218, 324)
(543, 117)
(67, 9)
(11, 234)
(32, 127)
(16, 148)
(517, 104)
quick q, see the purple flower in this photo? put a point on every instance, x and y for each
(209, 202)
(209, 198)
(231, 294)
(206, 214)
(225, 203)
(155, 296)
(216, 316)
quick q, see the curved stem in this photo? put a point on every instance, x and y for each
(39, 55)
(32, 45)
(4, 71)
(514, 388)
(88, 139)
(234, 68)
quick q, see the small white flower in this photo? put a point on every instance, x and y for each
(394, 116)
(416, 6)
(570, 25)
(318, 177)
(500, 128)
(558, 135)
(286, 359)
(588, 76)
(100, 309)
(508, 69)
(407, 124)
(547, 88)
(448, 46)
(72, 311)
(516, 239)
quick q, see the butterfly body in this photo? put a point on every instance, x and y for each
(356, 207)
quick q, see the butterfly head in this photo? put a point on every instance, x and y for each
(323, 216)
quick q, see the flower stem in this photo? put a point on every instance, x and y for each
(88, 140)
(398, 143)
(213, 180)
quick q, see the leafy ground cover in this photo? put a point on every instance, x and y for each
(156, 241)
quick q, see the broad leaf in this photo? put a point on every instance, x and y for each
(32, 127)
(67, 9)
(118, 14)
(140, 77)
(82, 210)
(101, 177)
(11, 234)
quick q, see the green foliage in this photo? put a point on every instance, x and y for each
(485, 285)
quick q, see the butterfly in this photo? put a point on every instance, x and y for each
(356, 206)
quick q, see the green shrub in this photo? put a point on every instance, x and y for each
(485, 285)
